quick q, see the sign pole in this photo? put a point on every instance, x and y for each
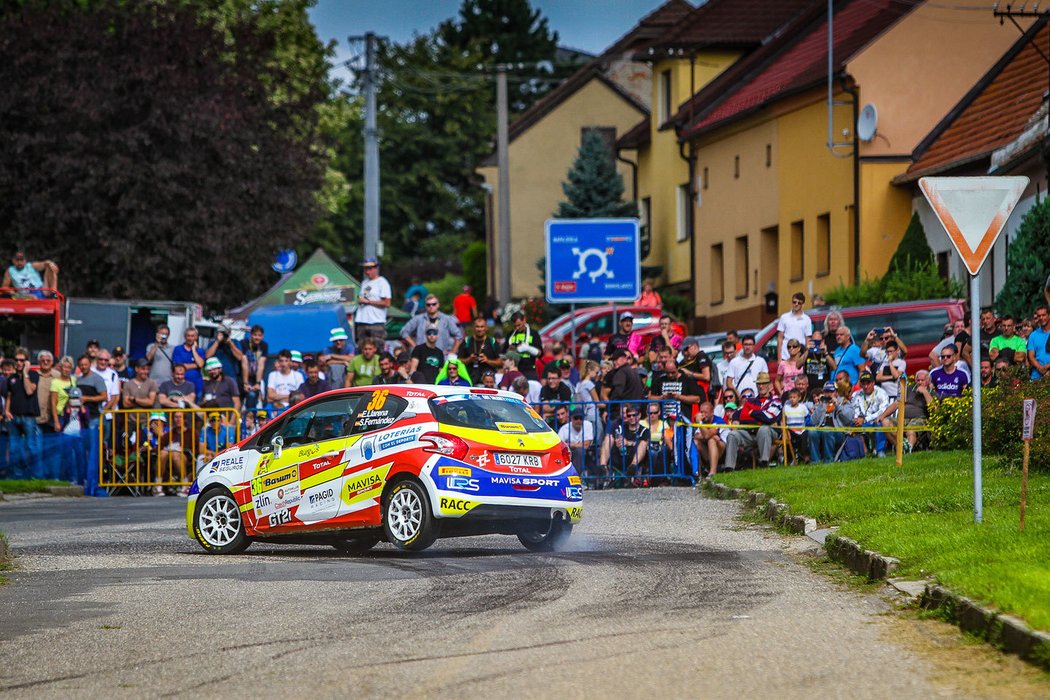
(975, 343)
(572, 350)
(1027, 433)
(902, 389)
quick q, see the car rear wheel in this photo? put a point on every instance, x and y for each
(544, 535)
(357, 545)
(407, 518)
(217, 523)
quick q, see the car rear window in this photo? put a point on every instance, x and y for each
(487, 413)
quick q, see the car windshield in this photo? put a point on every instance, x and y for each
(488, 413)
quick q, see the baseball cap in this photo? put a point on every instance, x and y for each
(690, 340)
(626, 315)
(118, 350)
(577, 413)
(829, 386)
(369, 262)
(214, 415)
(93, 342)
(866, 377)
(432, 330)
(511, 355)
(212, 363)
(336, 334)
(261, 413)
(142, 362)
(158, 416)
(297, 356)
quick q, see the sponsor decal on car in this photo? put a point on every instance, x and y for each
(309, 450)
(456, 506)
(524, 481)
(227, 463)
(575, 513)
(314, 466)
(462, 483)
(573, 493)
(273, 480)
(574, 480)
(510, 427)
(458, 471)
(365, 485)
(399, 437)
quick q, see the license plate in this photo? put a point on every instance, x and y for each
(515, 459)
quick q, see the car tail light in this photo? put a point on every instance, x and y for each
(445, 444)
(483, 391)
(566, 454)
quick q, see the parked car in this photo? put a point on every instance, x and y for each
(401, 463)
(597, 323)
(919, 323)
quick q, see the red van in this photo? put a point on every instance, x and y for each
(920, 324)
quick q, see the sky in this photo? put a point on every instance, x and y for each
(588, 25)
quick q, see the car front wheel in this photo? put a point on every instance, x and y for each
(217, 523)
(407, 519)
(544, 535)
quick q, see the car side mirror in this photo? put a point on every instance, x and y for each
(277, 443)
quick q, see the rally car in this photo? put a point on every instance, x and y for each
(402, 463)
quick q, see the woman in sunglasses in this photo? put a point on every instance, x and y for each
(788, 369)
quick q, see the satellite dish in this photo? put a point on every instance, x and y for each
(285, 261)
(867, 122)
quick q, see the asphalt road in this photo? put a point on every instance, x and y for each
(660, 592)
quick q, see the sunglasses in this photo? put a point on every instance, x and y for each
(632, 415)
(432, 303)
(947, 357)
(20, 359)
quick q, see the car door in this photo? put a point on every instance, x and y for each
(298, 479)
(374, 438)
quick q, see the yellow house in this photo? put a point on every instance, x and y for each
(610, 94)
(685, 59)
(776, 208)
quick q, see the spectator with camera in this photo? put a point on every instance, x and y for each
(227, 352)
(189, 356)
(871, 406)
(159, 355)
(889, 373)
(20, 411)
(253, 365)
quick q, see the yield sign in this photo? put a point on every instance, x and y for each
(973, 210)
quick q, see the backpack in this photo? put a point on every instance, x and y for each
(852, 448)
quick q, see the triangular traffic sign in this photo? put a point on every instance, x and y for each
(973, 211)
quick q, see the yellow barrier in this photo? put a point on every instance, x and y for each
(807, 428)
(136, 452)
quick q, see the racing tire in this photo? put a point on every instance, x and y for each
(407, 518)
(357, 545)
(546, 537)
(217, 523)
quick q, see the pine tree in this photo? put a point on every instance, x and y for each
(594, 188)
(913, 250)
(1026, 264)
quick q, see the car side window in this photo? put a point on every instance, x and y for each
(376, 410)
(331, 419)
(598, 326)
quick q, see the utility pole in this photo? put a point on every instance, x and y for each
(503, 183)
(368, 79)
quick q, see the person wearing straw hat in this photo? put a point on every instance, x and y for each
(220, 391)
(337, 357)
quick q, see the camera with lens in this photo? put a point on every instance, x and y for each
(75, 397)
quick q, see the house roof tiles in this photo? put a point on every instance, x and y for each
(730, 24)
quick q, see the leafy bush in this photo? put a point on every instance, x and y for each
(919, 281)
(1026, 264)
(913, 249)
(446, 290)
(475, 269)
(951, 422)
(681, 307)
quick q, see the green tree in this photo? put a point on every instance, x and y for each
(594, 188)
(913, 250)
(146, 157)
(1026, 264)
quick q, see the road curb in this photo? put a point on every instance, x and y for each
(1004, 632)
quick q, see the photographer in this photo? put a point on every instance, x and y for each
(227, 353)
(159, 355)
(816, 367)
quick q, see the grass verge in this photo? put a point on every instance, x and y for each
(28, 485)
(922, 514)
(5, 558)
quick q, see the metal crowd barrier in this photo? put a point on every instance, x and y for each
(609, 463)
(137, 451)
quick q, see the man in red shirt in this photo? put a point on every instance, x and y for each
(465, 308)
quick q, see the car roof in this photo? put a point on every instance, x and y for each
(427, 391)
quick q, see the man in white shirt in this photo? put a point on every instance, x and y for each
(372, 302)
(745, 368)
(282, 381)
(578, 434)
(793, 325)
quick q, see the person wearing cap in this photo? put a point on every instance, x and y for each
(488, 379)
(622, 382)
(479, 352)
(253, 365)
(372, 303)
(526, 343)
(622, 340)
(763, 410)
(120, 364)
(25, 276)
(578, 434)
(697, 365)
(449, 333)
(228, 353)
(296, 362)
(465, 308)
(337, 357)
(871, 405)
(427, 359)
(140, 391)
(830, 410)
(91, 349)
(364, 368)
(220, 391)
(215, 437)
